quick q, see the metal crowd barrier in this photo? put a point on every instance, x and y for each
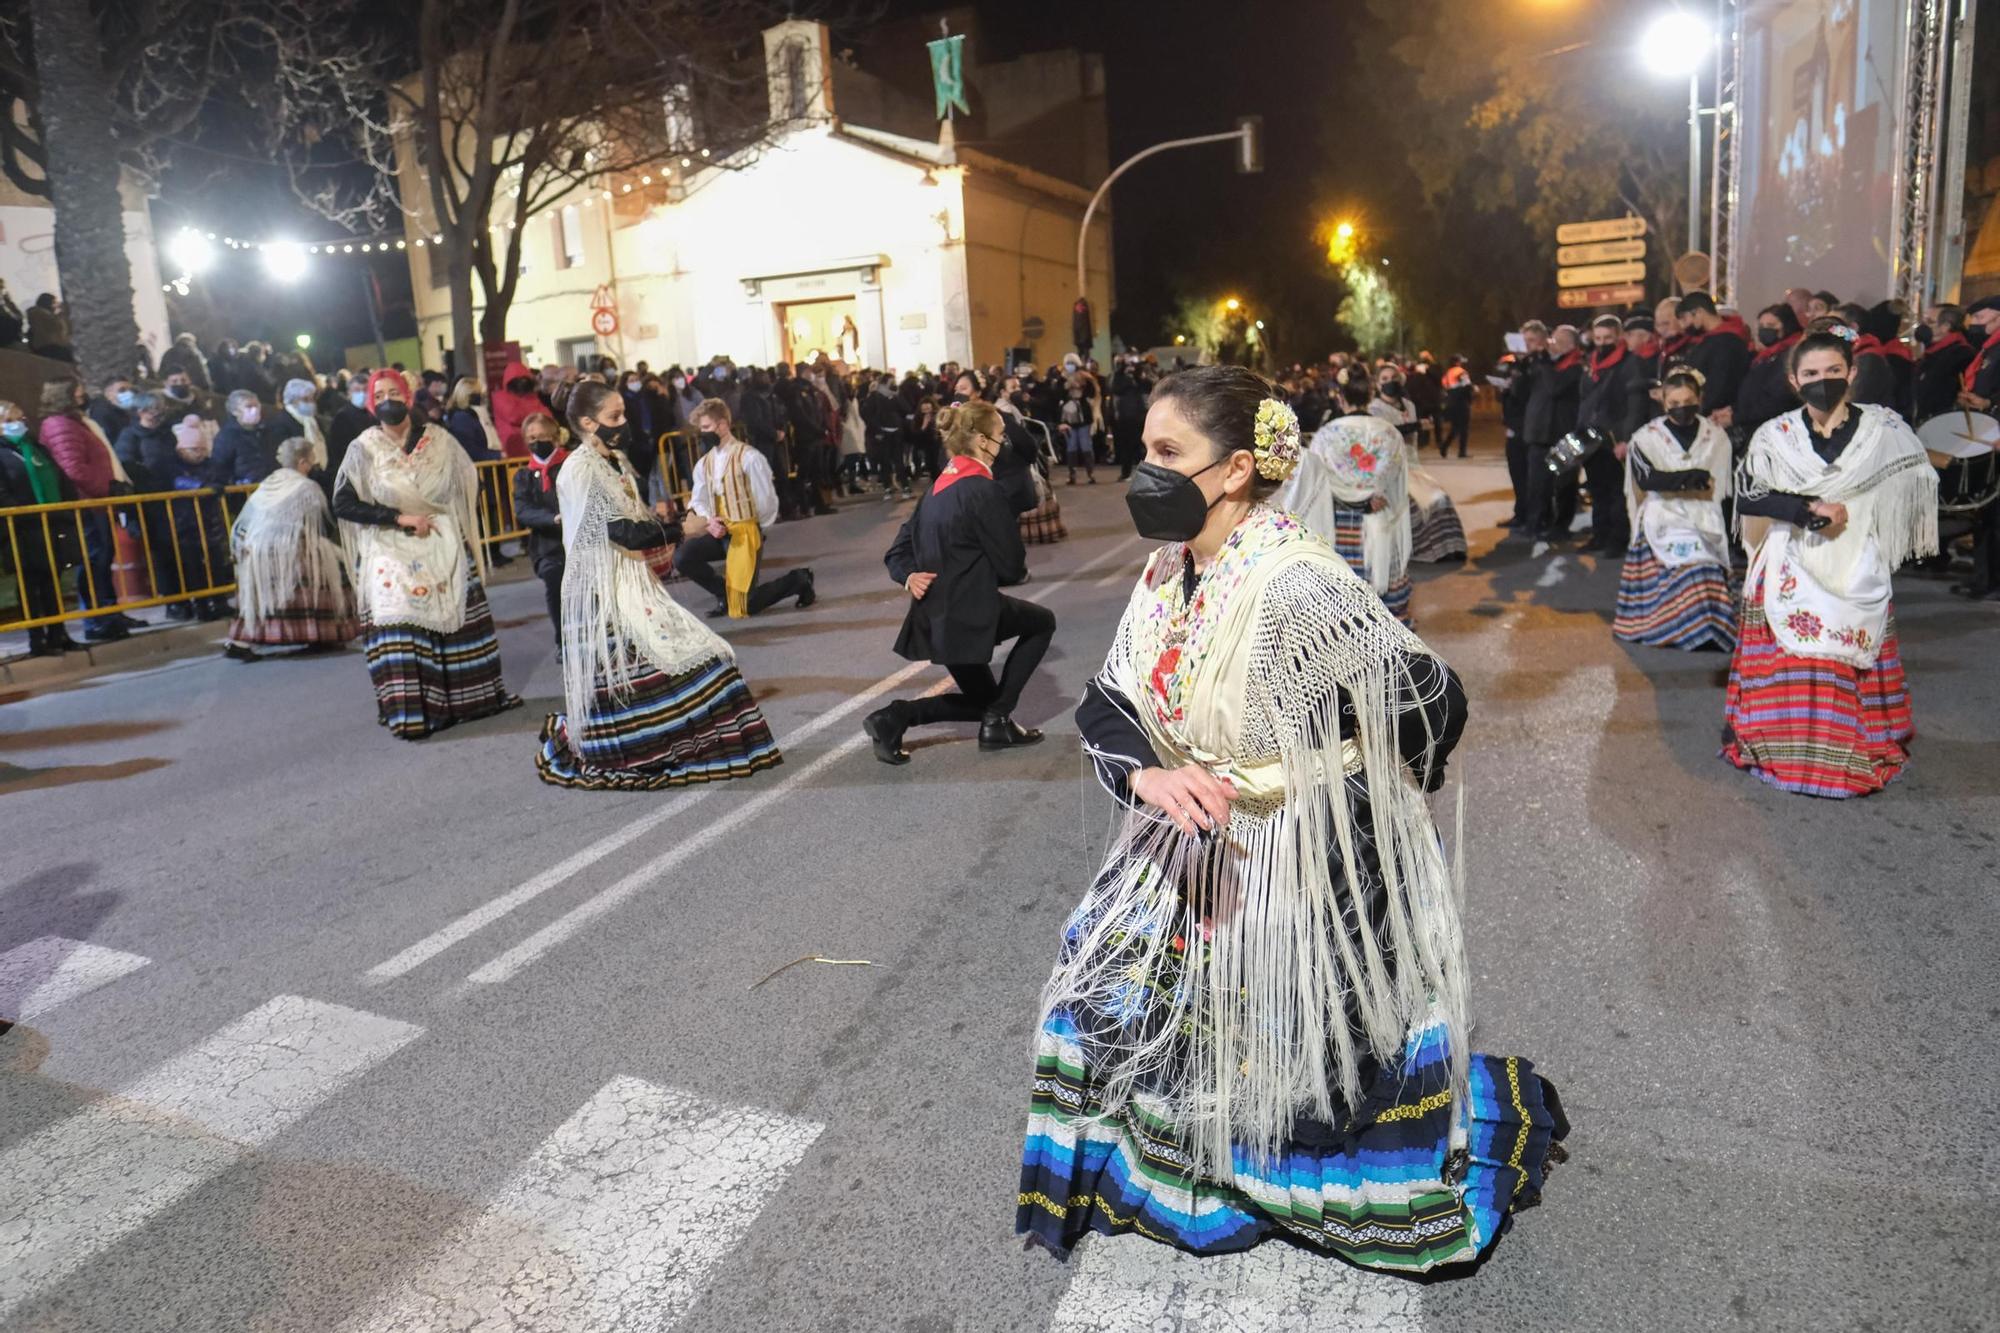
(171, 547)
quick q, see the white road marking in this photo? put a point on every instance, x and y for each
(81, 1185)
(528, 950)
(37, 976)
(1129, 1284)
(614, 1223)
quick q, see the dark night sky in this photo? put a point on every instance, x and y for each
(1185, 219)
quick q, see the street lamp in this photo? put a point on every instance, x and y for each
(1232, 304)
(191, 251)
(284, 262)
(1676, 43)
(304, 341)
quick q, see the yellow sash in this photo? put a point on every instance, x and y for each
(739, 571)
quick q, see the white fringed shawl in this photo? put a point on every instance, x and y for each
(1826, 594)
(282, 553)
(399, 577)
(1275, 907)
(617, 615)
(1352, 459)
(1681, 527)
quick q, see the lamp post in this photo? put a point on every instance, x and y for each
(1676, 43)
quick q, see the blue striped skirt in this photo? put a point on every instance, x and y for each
(700, 725)
(1347, 541)
(1688, 607)
(426, 681)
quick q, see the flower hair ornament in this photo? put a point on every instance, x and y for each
(1276, 435)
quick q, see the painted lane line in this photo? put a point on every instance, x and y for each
(80, 1186)
(615, 1222)
(37, 976)
(569, 923)
(487, 913)
(1128, 1284)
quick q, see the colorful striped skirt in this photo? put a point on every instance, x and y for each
(328, 621)
(664, 731)
(426, 681)
(1811, 725)
(1688, 607)
(1435, 533)
(1347, 541)
(1387, 1191)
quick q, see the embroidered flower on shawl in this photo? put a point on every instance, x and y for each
(1163, 673)
(1805, 624)
(1853, 636)
(1276, 435)
(1362, 458)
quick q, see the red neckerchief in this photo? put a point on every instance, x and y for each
(1569, 359)
(546, 469)
(1778, 348)
(1971, 375)
(1675, 345)
(958, 470)
(1733, 324)
(1600, 362)
(1868, 342)
(1952, 339)
(1650, 350)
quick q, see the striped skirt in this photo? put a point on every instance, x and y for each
(1688, 607)
(1387, 1191)
(329, 620)
(664, 731)
(1435, 533)
(426, 681)
(1043, 525)
(1347, 541)
(1810, 725)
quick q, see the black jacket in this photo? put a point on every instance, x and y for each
(149, 457)
(1723, 359)
(1614, 398)
(1887, 381)
(1553, 389)
(243, 454)
(1940, 376)
(883, 416)
(540, 513)
(761, 420)
(110, 418)
(967, 536)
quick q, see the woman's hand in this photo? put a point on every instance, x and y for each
(1194, 798)
(419, 525)
(1377, 503)
(918, 584)
(1833, 511)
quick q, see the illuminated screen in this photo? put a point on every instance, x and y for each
(1820, 127)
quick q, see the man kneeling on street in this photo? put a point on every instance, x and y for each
(735, 499)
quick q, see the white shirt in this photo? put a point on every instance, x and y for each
(719, 481)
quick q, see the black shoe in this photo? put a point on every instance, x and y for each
(59, 639)
(129, 622)
(718, 611)
(110, 633)
(236, 652)
(885, 729)
(498, 561)
(808, 594)
(180, 613)
(1125, 474)
(41, 645)
(1594, 544)
(1001, 733)
(1512, 524)
(822, 510)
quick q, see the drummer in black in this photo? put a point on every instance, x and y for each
(954, 554)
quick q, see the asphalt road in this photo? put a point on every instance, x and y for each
(321, 1030)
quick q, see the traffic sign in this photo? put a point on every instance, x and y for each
(1583, 298)
(1599, 275)
(1605, 229)
(1603, 252)
(604, 323)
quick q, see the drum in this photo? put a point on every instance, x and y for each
(1962, 447)
(1571, 451)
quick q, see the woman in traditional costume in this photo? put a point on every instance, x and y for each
(1352, 488)
(292, 585)
(1436, 535)
(1674, 589)
(407, 500)
(651, 694)
(1844, 493)
(1257, 1022)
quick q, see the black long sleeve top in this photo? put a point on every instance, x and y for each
(1426, 732)
(1787, 507)
(1662, 480)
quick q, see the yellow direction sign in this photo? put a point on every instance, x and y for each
(1600, 275)
(1582, 298)
(1605, 229)
(1604, 252)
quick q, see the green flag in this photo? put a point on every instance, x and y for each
(948, 75)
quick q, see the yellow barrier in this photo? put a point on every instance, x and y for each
(183, 539)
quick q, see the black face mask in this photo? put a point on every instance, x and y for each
(1166, 505)
(1923, 335)
(611, 436)
(520, 386)
(709, 439)
(1824, 394)
(178, 391)
(476, 399)
(1683, 415)
(1768, 337)
(392, 413)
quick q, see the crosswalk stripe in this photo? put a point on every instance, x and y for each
(37, 976)
(1131, 1285)
(84, 1183)
(615, 1222)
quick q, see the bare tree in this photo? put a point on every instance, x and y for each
(504, 111)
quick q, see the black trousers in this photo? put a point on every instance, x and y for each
(1457, 426)
(697, 558)
(1551, 501)
(550, 571)
(1604, 473)
(889, 457)
(1517, 476)
(979, 695)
